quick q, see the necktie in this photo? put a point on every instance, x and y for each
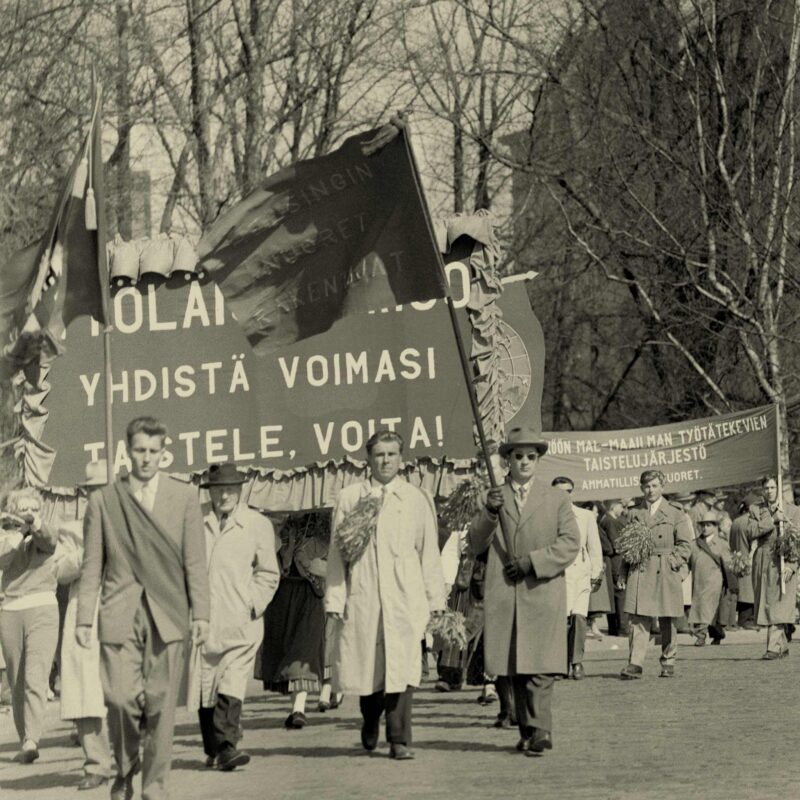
(147, 496)
(522, 495)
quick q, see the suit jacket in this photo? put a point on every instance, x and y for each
(536, 608)
(177, 510)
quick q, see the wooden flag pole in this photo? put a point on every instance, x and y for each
(97, 200)
(462, 353)
(779, 481)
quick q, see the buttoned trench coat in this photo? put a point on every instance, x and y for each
(81, 690)
(769, 606)
(587, 566)
(708, 583)
(525, 629)
(654, 589)
(385, 596)
(243, 575)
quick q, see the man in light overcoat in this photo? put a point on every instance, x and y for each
(654, 589)
(775, 605)
(526, 599)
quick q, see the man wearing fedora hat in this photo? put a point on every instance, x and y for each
(81, 698)
(525, 602)
(144, 553)
(713, 576)
(243, 575)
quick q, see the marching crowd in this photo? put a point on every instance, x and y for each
(165, 602)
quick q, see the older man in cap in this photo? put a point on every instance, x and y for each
(81, 691)
(243, 575)
(653, 589)
(525, 598)
(713, 575)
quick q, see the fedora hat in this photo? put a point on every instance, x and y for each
(709, 516)
(523, 436)
(683, 497)
(222, 475)
(96, 474)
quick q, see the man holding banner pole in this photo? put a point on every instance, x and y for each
(774, 583)
(654, 589)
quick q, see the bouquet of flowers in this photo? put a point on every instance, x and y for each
(635, 544)
(354, 532)
(450, 628)
(740, 564)
(462, 505)
(787, 543)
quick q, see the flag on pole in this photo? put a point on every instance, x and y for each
(341, 234)
(61, 277)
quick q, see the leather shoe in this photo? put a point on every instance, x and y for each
(502, 721)
(370, 731)
(92, 781)
(231, 758)
(295, 721)
(542, 740)
(400, 752)
(578, 673)
(667, 672)
(211, 761)
(122, 788)
(770, 655)
(524, 744)
(631, 672)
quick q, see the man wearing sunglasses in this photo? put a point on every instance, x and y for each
(525, 604)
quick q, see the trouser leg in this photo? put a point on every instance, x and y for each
(94, 741)
(227, 714)
(398, 716)
(638, 639)
(371, 706)
(123, 687)
(519, 691)
(776, 639)
(505, 695)
(162, 671)
(576, 638)
(205, 717)
(12, 636)
(533, 696)
(41, 638)
(669, 640)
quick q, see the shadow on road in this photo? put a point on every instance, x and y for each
(44, 780)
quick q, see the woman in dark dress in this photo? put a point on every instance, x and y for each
(293, 652)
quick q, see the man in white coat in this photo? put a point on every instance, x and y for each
(82, 699)
(384, 597)
(243, 575)
(583, 576)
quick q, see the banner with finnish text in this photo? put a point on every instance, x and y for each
(699, 454)
(179, 355)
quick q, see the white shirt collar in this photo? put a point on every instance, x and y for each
(651, 509)
(137, 485)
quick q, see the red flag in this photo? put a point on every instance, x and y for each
(64, 279)
(341, 234)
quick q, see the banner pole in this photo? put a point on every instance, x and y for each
(98, 189)
(779, 481)
(462, 353)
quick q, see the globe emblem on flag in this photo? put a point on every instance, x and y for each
(514, 370)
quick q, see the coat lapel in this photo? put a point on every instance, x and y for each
(534, 499)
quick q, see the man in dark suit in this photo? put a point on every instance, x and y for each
(145, 553)
(610, 526)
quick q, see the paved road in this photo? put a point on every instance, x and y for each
(727, 727)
